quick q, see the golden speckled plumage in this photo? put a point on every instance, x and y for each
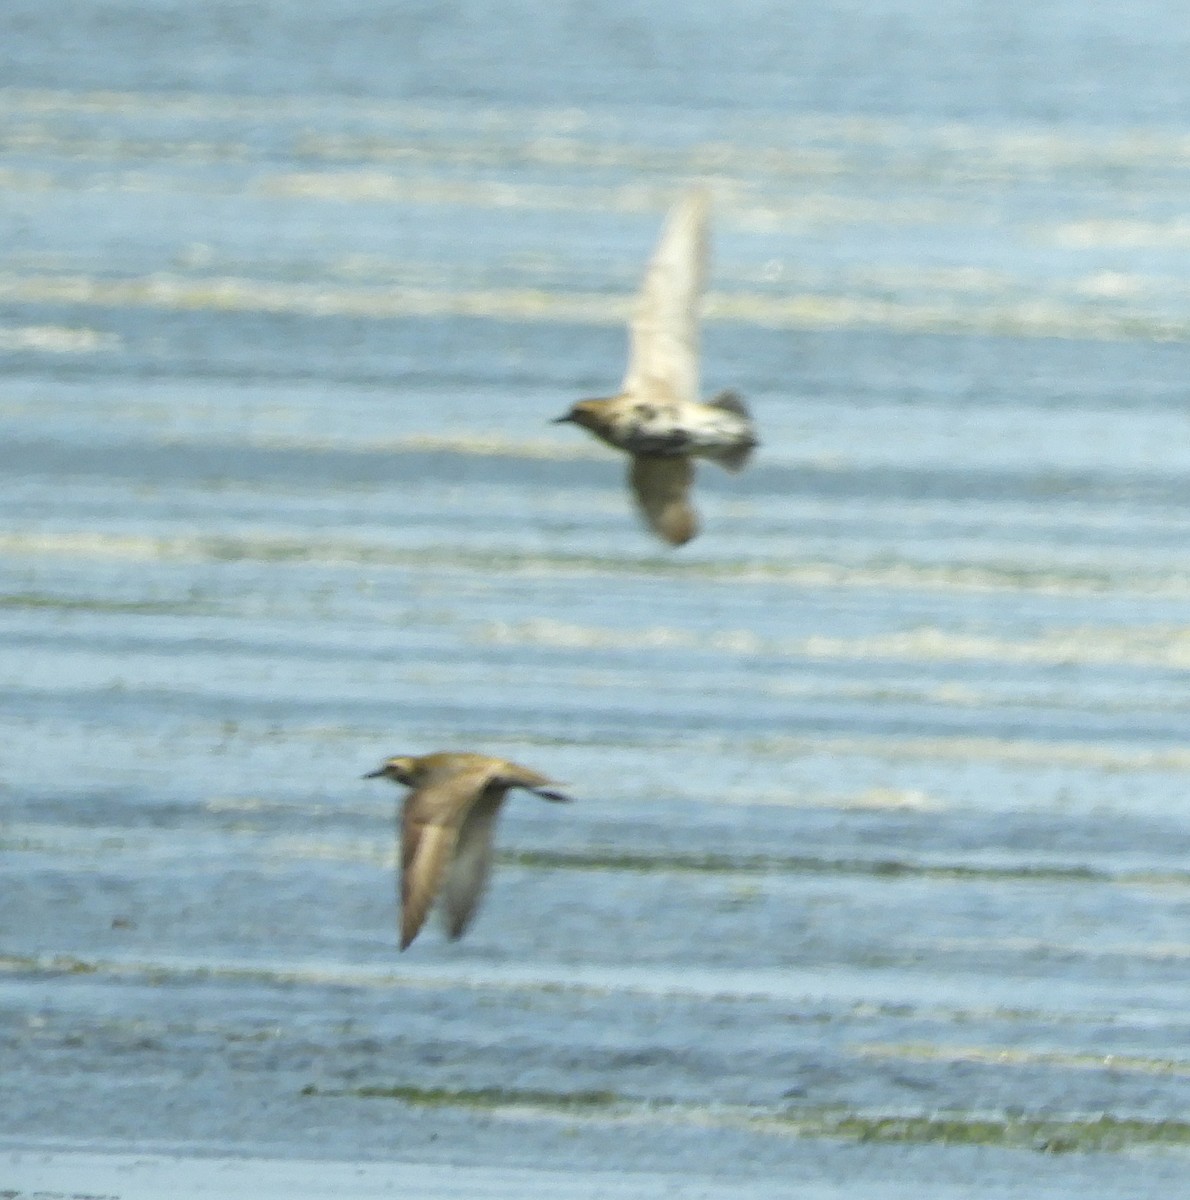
(657, 418)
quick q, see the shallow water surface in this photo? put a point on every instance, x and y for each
(879, 876)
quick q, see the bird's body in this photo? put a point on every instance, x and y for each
(657, 417)
(447, 822)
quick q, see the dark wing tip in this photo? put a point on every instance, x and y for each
(547, 793)
(410, 928)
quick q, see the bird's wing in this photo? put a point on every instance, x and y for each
(661, 485)
(431, 820)
(513, 775)
(663, 332)
(467, 874)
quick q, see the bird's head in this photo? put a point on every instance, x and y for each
(587, 413)
(402, 769)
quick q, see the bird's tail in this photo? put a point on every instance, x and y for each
(732, 402)
(734, 457)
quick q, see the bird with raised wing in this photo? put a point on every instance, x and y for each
(447, 821)
(657, 417)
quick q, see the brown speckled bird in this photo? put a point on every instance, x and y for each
(446, 830)
(657, 417)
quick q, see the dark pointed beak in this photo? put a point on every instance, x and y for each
(375, 774)
(562, 420)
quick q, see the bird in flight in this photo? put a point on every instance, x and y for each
(447, 820)
(657, 417)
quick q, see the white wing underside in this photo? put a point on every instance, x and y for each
(663, 332)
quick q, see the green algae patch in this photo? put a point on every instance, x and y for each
(1050, 1135)
(805, 865)
(59, 964)
(1045, 1135)
(92, 604)
(1015, 1056)
(484, 1098)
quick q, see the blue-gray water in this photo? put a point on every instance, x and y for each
(883, 780)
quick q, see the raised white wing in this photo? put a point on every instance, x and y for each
(663, 332)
